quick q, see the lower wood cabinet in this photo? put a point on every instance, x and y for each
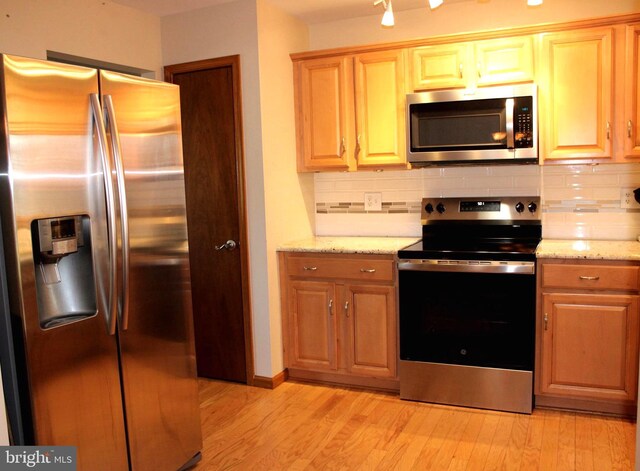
(587, 342)
(340, 318)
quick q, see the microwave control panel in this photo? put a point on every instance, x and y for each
(523, 122)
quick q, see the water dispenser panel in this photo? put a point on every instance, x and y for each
(63, 262)
(60, 236)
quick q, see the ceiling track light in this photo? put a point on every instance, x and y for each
(387, 18)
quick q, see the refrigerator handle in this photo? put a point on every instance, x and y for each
(112, 124)
(110, 308)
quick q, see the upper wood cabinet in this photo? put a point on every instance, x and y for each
(459, 65)
(324, 114)
(380, 97)
(630, 126)
(344, 122)
(576, 95)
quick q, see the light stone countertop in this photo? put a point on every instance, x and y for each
(369, 245)
(589, 249)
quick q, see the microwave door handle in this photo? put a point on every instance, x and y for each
(509, 105)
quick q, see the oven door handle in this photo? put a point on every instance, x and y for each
(468, 266)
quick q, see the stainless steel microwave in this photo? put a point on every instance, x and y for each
(481, 126)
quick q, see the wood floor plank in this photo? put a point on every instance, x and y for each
(621, 460)
(500, 442)
(403, 455)
(465, 446)
(480, 451)
(549, 449)
(584, 443)
(517, 442)
(533, 445)
(601, 451)
(301, 426)
(567, 442)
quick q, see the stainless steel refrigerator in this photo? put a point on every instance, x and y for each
(97, 293)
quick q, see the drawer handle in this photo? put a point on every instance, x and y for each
(310, 268)
(368, 270)
(589, 278)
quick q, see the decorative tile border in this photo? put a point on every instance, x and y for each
(396, 207)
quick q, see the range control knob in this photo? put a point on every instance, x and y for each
(428, 208)
(532, 207)
(440, 208)
(519, 207)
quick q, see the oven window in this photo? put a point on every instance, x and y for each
(475, 319)
(477, 124)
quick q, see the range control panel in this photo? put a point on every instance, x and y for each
(517, 208)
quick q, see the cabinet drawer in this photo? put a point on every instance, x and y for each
(340, 268)
(589, 277)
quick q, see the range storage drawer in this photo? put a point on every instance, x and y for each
(362, 269)
(590, 276)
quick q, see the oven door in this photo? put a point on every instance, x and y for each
(468, 313)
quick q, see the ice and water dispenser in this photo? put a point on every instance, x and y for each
(63, 262)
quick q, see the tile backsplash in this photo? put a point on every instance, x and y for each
(578, 201)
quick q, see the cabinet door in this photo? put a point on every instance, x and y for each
(370, 312)
(576, 94)
(590, 346)
(312, 325)
(632, 93)
(380, 109)
(440, 66)
(324, 114)
(506, 60)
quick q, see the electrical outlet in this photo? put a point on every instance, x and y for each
(627, 200)
(373, 201)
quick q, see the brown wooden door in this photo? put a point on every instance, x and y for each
(213, 165)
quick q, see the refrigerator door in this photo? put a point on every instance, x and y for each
(50, 169)
(156, 325)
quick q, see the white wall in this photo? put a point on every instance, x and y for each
(460, 17)
(279, 201)
(99, 30)
(289, 197)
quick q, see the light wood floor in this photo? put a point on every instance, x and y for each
(301, 426)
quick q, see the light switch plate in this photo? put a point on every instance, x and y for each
(373, 201)
(627, 200)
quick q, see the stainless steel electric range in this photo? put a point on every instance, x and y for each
(467, 303)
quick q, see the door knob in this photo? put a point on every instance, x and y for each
(228, 245)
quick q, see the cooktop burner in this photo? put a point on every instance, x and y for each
(506, 228)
